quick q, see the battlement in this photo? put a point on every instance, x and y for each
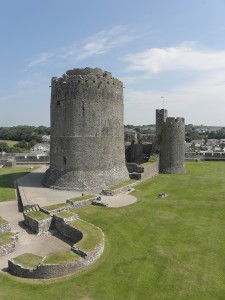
(172, 122)
(87, 76)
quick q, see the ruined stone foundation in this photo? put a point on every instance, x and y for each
(87, 131)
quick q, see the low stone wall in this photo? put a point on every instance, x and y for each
(8, 248)
(66, 230)
(40, 227)
(125, 188)
(149, 171)
(132, 167)
(81, 203)
(5, 227)
(44, 271)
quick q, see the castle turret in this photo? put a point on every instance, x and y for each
(161, 116)
(87, 131)
(172, 147)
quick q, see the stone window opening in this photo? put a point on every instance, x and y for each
(64, 160)
(58, 102)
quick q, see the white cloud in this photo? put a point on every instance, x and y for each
(41, 59)
(99, 43)
(186, 56)
(199, 103)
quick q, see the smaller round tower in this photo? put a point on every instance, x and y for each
(172, 147)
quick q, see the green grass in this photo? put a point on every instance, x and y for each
(28, 260)
(66, 214)
(85, 197)
(151, 160)
(5, 238)
(7, 178)
(124, 183)
(159, 249)
(61, 258)
(9, 142)
(92, 235)
(55, 206)
(2, 221)
(37, 215)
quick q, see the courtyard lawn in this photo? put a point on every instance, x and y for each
(7, 178)
(158, 248)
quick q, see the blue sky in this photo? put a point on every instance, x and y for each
(169, 48)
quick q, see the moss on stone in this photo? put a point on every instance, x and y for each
(92, 235)
(28, 260)
(61, 258)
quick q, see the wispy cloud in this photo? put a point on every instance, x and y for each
(41, 59)
(186, 56)
(97, 44)
(199, 102)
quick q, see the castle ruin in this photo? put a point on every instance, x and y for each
(170, 139)
(87, 131)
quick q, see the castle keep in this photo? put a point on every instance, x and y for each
(87, 131)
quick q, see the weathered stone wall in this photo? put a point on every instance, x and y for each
(57, 270)
(5, 227)
(108, 192)
(81, 203)
(87, 131)
(40, 227)
(172, 147)
(8, 248)
(143, 173)
(66, 230)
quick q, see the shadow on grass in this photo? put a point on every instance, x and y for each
(7, 180)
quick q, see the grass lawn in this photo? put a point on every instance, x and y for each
(2, 221)
(66, 214)
(171, 248)
(92, 235)
(55, 206)
(5, 238)
(124, 183)
(61, 257)
(9, 142)
(7, 178)
(85, 197)
(28, 260)
(37, 215)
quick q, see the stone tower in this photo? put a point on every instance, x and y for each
(87, 131)
(161, 115)
(172, 147)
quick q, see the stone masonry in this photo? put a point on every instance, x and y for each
(87, 131)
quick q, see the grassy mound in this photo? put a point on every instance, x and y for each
(5, 238)
(28, 260)
(92, 235)
(55, 206)
(85, 197)
(61, 257)
(37, 215)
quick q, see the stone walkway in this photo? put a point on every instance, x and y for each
(35, 193)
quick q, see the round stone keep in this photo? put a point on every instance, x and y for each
(172, 147)
(87, 131)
